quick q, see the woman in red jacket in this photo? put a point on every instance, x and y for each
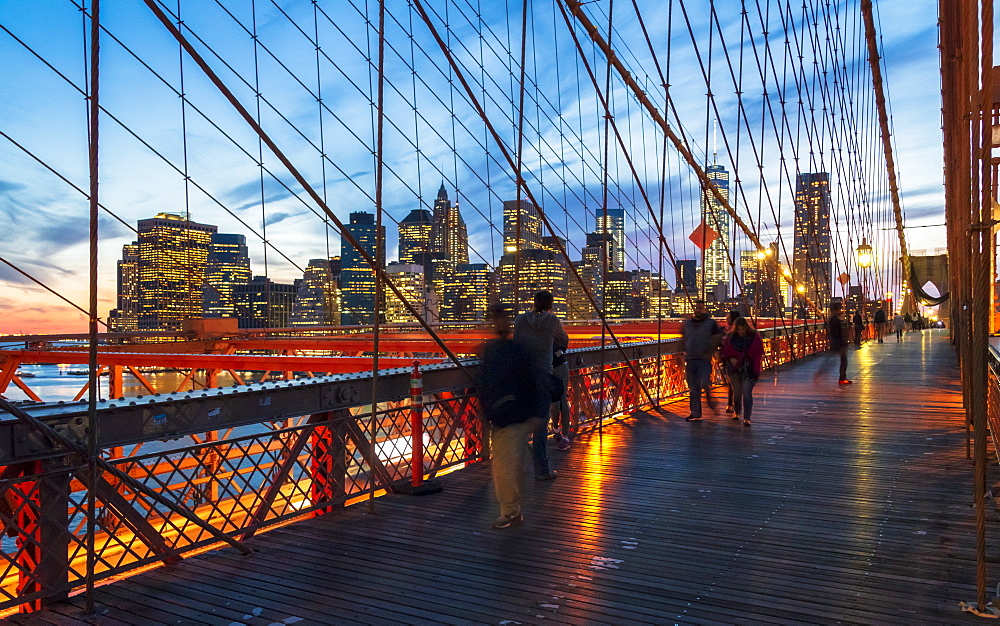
(743, 352)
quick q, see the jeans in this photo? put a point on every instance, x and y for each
(699, 378)
(509, 447)
(559, 411)
(742, 387)
(539, 453)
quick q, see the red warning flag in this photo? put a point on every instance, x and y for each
(703, 235)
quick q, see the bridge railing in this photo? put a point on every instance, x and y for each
(194, 472)
(992, 399)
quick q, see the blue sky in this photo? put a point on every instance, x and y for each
(143, 147)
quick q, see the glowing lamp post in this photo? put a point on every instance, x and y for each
(864, 252)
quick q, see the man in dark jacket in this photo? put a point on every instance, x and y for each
(702, 336)
(879, 323)
(539, 332)
(511, 401)
(838, 342)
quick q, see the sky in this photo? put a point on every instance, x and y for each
(160, 152)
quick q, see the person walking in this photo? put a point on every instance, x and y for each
(898, 324)
(880, 323)
(730, 319)
(511, 402)
(838, 345)
(859, 328)
(909, 321)
(743, 353)
(701, 336)
(539, 331)
(559, 413)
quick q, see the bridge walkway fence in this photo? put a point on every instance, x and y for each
(264, 455)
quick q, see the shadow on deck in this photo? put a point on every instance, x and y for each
(841, 503)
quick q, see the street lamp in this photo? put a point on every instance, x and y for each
(864, 252)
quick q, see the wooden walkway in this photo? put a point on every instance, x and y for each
(841, 504)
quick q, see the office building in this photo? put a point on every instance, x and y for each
(228, 266)
(716, 267)
(357, 278)
(523, 273)
(811, 262)
(522, 226)
(263, 303)
(686, 277)
(162, 274)
(469, 295)
(318, 300)
(612, 222)
(415, 235)
(125, 318)
(408, 278)
(448, 233)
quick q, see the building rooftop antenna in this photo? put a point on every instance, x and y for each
(715, 141)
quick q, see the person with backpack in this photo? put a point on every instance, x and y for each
(512, 402)
(539, 331)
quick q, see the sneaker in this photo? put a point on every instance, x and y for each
(550, 475)
(693, 418)
(736, 418)
(845, 382)
(729, 409)
(563, 444)
(746, 422)
(506, 521)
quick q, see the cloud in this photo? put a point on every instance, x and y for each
(7, 186)
(280, 216)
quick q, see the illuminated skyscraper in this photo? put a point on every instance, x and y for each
(448, 233)
(716, 269)
(318, 299)
(415, 235)
(617, 294)
(578, 305)
(125, 318)
(530, 226)
(469, 296)
(531, 271)
(613, 224)
(357, 279)
(811, 260)
(409, 279)
(172, 257)
(228, 266)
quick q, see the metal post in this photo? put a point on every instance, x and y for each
(417, 486)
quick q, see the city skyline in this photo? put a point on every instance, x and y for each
(134, 188)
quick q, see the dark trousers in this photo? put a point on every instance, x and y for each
(699, 378)
(539, 454)
(742, 389)
(843, 362)
(899, 334)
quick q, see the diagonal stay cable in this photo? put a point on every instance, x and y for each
(344, 232)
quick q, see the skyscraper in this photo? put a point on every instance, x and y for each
(318, 299)
(263, 303)
(716, 268)
(409, 279)
(125, 318)
(470, 294)
(526, 235)
(415, 235)
(357, 279)
(170, 270)
(613, 223)
(448, 233)
(228, 265)
(686, 277)
(811, 259)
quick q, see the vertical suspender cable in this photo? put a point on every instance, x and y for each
(379, 239)
(93, 153)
